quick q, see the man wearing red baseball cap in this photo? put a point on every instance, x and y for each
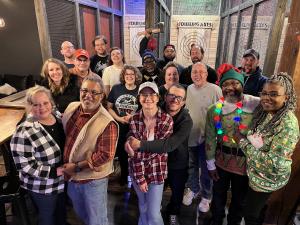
(82, 65)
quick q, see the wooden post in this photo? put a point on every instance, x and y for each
(283, 202)
(42, 24)
(274, 37)
(150, 14)
(291, 42)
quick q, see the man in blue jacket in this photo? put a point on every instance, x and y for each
(253, 78)
(176, 146)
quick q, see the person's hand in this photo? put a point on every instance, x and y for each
(237, 136)
(69, 168)
(59, 171)
(127, 117)
(214, 175)
(123, 120)
(144, 187)
(128, 149)
(135, 144)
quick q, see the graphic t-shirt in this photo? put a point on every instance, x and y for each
(98, 63)
(124, 100)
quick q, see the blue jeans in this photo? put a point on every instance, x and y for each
(51, 208)
(197, 160)
(90, 201)
(149, 204)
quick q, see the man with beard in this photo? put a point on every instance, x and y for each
(149, 71)
(197, 54)
(169, 56)
(68, 51)
(225, 160)
(100, 59)
(254, 80)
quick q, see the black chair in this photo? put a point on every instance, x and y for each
(10, 190)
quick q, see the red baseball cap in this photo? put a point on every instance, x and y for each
(81, 52)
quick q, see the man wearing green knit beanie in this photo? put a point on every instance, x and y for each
(226, 162)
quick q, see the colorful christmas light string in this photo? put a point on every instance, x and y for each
(237, 119)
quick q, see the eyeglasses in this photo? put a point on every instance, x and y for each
(152, 95)
(233, 84)
(271, 94)
(175, 97)
(82, 60)
(149, 62)
(92, 93)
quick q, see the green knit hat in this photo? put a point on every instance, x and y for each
(227, 71)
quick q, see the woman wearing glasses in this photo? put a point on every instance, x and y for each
(63, 87)
(269, 144)
(111, 74)
(149, 170)
(37, 149)
(122, 104)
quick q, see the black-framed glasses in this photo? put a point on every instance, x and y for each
(269, 94)
(175, 97)
(93, 92)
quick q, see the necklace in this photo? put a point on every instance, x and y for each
(237, 119)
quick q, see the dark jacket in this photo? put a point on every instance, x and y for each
(185, 77)
(157, 76)
(254, 82)
(161, 63)
(177, 144)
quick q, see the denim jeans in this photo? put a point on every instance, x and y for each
(90, 201)
(197, 160)
(51, 208)
(149, 204)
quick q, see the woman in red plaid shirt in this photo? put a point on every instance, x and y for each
(149, 170)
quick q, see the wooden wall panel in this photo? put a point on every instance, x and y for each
(89, 28)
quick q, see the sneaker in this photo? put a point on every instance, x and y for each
(173, 220)
(204, 205)
(188, 197)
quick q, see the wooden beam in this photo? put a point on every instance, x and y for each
(43, 29)
(78, 24)
(149, 14)
(237, 37)
(251, 28)
(240, 7)
(274, 37)
(291, 42)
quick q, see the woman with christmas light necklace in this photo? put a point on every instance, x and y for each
(269, 144)
(225, 160)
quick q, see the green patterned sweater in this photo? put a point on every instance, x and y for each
(269, 167)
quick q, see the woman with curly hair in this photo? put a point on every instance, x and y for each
(269, 144)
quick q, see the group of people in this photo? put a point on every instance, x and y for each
(195, 129)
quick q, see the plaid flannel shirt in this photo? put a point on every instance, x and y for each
(145, 166)
(35, 152)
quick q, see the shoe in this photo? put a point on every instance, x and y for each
(204, 205)
(188, 197)
(173, 220)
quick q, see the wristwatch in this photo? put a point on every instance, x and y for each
(77, 168)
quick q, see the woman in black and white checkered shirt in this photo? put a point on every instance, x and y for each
(37, 151)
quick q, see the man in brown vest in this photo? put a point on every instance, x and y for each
(91, 139)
